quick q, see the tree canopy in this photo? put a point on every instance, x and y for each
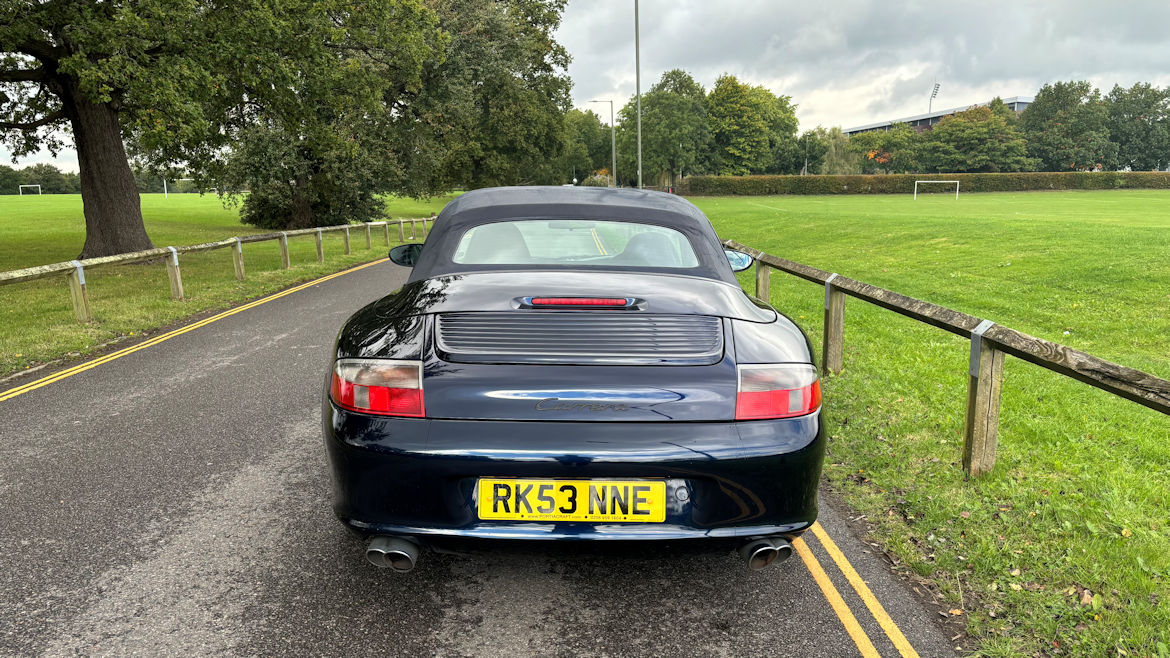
(1067, 128)
(1139, 123)
(753, 130)
(975, 140)
(675, 134)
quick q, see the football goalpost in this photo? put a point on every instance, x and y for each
(21, 189)
(166, 194)
(927, 182)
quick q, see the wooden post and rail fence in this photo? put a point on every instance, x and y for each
(75, 270)
(990, 343)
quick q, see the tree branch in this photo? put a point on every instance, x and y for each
(33, 125)
(23, 75)
(42, 50)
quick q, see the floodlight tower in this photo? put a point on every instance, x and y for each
(933, 94)
(638, 89)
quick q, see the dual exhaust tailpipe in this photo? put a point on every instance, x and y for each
(400, 555)
(763, 551)
(394, 553)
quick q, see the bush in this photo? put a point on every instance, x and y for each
(596, 181)
(904, 183)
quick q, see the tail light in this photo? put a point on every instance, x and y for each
(579, 301)
(777, 391)
(378, 386)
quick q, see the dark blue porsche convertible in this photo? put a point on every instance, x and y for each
(572, 364)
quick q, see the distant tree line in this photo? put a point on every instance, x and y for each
(1070, 126)
(51, 179)
(54, 181)
(737, 129)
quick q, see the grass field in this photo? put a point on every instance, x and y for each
(36, 317)
(1064, 549)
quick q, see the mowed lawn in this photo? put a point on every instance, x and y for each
(36, 317)
(1064, 549)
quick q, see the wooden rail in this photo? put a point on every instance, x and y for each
(75, 270)
(989, 343)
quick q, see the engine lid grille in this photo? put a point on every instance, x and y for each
(579, 337)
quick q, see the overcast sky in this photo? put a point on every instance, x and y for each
(858, 62)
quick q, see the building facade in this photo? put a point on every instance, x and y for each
(924, 122)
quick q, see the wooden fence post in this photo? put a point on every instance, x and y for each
(386, 229)
(346, 240)
(763, 281)
(174, 275)
(983, 393)
(833, 349)
(284, 259)
(401, 230)
(78, 294)
(238, 259)
(369, 237)
(412, 230)
(320, 248)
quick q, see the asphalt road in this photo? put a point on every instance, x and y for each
(174, 501)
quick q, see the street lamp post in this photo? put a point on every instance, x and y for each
(612, 144)
(638, 89)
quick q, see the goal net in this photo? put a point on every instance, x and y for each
(23, 187)
(936, 182)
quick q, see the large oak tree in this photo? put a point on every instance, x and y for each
(184, 81)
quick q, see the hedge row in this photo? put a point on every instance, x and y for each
(904, 183)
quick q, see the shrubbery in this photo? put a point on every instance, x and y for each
(904, 183)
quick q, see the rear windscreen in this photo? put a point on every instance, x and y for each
(566, 241)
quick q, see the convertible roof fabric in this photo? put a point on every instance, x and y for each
(585, 203)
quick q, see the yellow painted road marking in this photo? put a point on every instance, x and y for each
(69, 372)
(597, 239)
(871, 602)
(835, 601)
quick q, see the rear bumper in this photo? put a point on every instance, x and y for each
(417, 477)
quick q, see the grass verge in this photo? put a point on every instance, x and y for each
(1064, 549)
(36, 317)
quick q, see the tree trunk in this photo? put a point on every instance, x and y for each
(301, 215)
(113, 211)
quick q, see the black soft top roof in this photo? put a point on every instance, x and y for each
(589, 203)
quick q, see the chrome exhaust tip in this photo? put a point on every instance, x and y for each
(762, 552)
(394, 553)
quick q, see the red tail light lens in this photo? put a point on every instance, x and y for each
(378, 386)
(580, 301)
(777, 391)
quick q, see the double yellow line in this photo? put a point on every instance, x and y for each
(837, 603)
(597, 240)
(80, 368)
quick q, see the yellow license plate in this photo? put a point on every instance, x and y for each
(596, 501)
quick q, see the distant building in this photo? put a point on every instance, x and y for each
(923, 122)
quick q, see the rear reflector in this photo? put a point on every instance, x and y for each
(777, 391)
(378, 386)
(580, 301)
